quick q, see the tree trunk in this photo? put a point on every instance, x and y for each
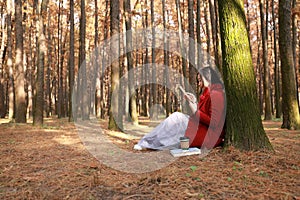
(38, 116)
(154, 85)
(20, 78)
(291, 119)
(10, 63)
(166, 60)
(213, 22)
(132, 101)
(266, 77)
(114, 48)
(145, 73)
(192, 68)
(276, 67)
(71, 61)
(102, 78)
(182, 45)
(208, 41)
(294, 44)
(2, 56)
(244, 128)
(59, 85)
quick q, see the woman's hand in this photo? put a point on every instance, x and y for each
(190, 97)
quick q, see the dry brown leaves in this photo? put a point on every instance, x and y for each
(51, 163)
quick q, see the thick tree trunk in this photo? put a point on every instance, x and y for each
(244, 128)
(20, 78)
(291, 118)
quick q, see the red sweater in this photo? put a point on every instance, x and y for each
(205, 127)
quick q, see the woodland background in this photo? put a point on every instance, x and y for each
(42, 47)
(55, 47)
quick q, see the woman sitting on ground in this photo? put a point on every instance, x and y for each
(204, 127)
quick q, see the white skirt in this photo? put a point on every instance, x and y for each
(166, 135)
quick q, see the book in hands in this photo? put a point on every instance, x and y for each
(190, 96)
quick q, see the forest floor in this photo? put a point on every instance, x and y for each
(51, 162)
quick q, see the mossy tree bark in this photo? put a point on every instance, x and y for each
(291, 118)
(244, 128)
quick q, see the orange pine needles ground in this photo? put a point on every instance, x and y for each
(52, 163)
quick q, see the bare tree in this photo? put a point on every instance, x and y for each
(11, 98)
(266, 77)
(71, 60)
(192, 69)
(20, 76)
(291, 118)
(276, 67)
(114, 50)
(132, 100)
(2, 56)
(38, 116)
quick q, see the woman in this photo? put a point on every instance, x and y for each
(166, 135)
(205, 127)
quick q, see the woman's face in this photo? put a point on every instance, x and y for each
(200, 81)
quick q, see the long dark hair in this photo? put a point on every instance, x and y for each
(211, 75)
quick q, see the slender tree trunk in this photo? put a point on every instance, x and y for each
(20, 78)
(266, 77)
(130, 69)
(218, 39)
(276, 67)
(71, 61)
(2, 56)
(182, 45)
(291, 118)
(154, 85)
(244, 128)
(294, 44)
(38, 116)
(96, 80)
(192, 68)
(208, 41)
(114, 48)
(213, 22)
(82, 63)
(10, 62)
(145, 96)
(166, 60)
(199, 42)
(62, 75)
